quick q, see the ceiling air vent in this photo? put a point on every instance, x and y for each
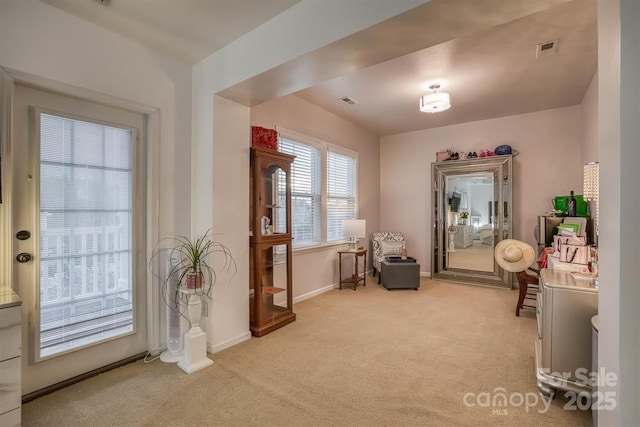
(546, 48)
(348, 100)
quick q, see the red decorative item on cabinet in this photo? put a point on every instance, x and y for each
(263, 137)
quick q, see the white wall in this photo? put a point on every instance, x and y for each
(229, 324)
(480, 194)
(316, 269)
(548, 164)
(589, 122)
(619, 156)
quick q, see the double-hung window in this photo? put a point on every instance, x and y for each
(341, 192)
(306, 189)
(323, 188)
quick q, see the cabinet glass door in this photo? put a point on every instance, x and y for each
(273, 200)
(274, 283)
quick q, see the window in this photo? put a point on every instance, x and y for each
(86, 176)
(323, 188)
(305, 192)
(341, 192)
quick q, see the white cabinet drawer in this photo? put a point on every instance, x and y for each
(10, 386)
(10, 332)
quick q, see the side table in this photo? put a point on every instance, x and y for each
(355, 278)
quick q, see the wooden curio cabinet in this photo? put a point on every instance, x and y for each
(270, 294)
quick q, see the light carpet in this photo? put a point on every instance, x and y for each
(369, 357)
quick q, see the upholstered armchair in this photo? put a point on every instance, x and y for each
(385, 244)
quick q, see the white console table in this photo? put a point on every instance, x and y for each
(563, 348)
(10, 357)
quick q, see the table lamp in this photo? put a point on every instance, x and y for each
(354, 229)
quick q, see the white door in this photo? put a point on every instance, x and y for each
(78, 210)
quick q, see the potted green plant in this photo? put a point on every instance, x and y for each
(190, 265)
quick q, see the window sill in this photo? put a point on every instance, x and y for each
(320, 247)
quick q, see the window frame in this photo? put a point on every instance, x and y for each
(324, 148)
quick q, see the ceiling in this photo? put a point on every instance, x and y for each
(485, 49)
(189, 30)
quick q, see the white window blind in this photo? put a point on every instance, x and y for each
(341, 192)
(306, 190)
(85, 233)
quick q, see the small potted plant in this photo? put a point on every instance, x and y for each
(192, 266)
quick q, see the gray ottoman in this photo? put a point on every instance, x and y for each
(400, 275)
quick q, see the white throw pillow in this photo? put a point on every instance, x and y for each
(391, 247)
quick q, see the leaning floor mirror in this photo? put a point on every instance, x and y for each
(471, 201)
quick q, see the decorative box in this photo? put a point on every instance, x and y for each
(263, 137)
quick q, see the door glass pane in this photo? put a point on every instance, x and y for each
(85, 233)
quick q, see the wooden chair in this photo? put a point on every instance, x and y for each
(529, 287)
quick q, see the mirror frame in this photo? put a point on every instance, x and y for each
(502, 168)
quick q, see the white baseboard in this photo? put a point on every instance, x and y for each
(323, 290)
(425, 274)
(228, 343)
(314, 293)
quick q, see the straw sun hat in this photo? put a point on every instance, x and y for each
(514, 255)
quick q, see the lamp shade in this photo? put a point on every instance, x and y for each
(435, 102)
(591, 177)
(354, 228)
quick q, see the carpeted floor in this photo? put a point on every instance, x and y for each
(475, 257)
(444, 355)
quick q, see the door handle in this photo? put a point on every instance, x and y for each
(23, 257)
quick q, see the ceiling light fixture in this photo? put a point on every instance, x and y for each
(435, 102)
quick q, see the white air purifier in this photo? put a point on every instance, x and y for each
(176, 324)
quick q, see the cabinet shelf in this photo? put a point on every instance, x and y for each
(272, 290)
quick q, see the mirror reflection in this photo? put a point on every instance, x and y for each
(467, 221)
